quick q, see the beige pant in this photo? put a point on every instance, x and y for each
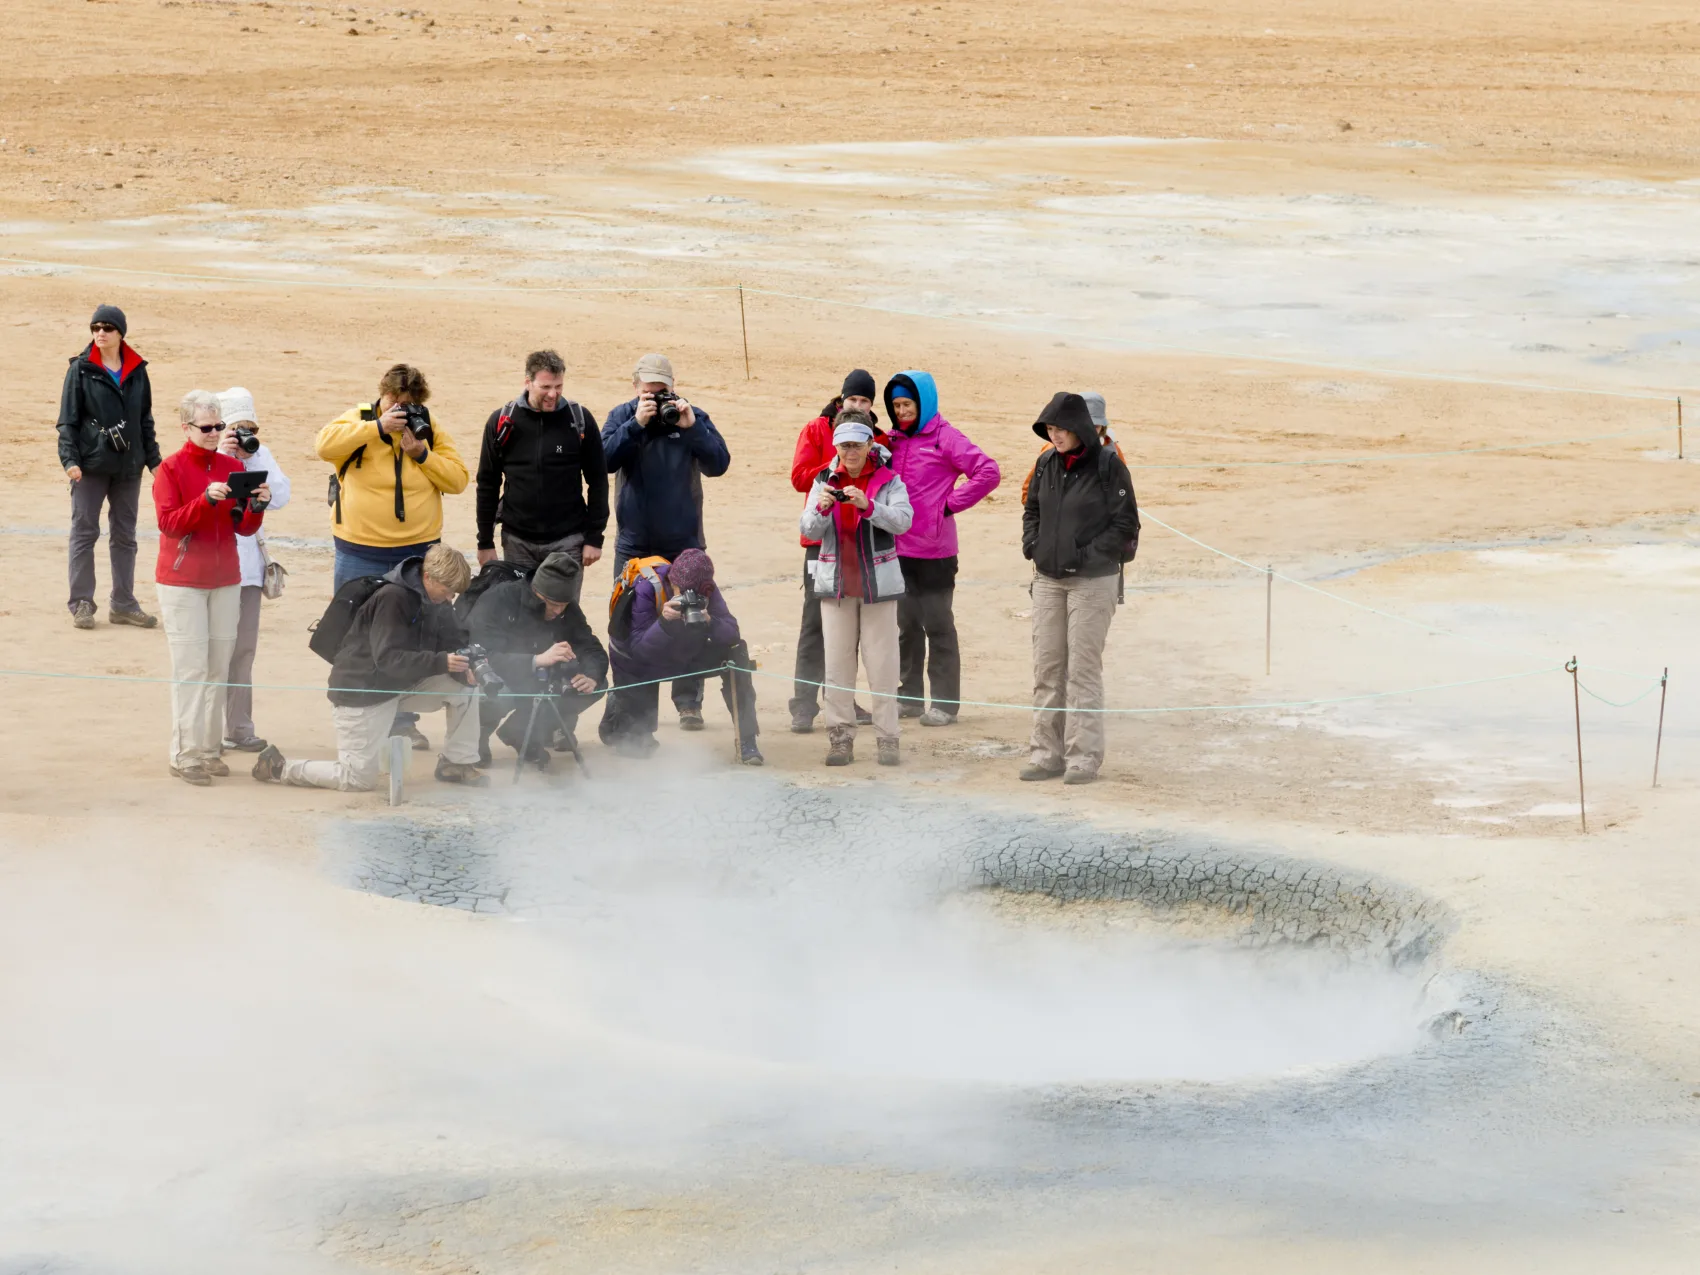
(1071, 619)
(200, 632)
(845, 624)
(362, 731)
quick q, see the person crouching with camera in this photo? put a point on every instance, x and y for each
(402, 652)
(676, 624)
(857, 508)
(540, 643)
(203, 500)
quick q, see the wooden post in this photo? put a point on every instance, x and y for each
(1659, 741)
(1576, 694)
(1679, 427)
(1268, 615)
(744, 326)
(737, 720)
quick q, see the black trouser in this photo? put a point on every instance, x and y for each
(926, 633)
(632, 710)
(811, 648)
(687, 691)
(122, 497)
(506, 717)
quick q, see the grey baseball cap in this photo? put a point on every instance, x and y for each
(654, 367)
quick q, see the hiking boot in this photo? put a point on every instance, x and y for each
(565, 741)
(937, 717)
(802, 722)
(1031, 773)
(888, 751)
(82, 615)
(635, 746)
(841, 749)
(252, 745)
(1079, 775)
(268, 766)
(192, 775)
(750, 755)
(216, 768)
(863, 716)
(538, 756)
(420, 743)
(690, 719)
(459, 772)
(909, 708)
(138, 618)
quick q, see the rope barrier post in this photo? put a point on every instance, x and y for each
(737, 722)
(400, 746)
(1576, 694)
(1679, 427)
(1268, 614)
(1659, 739)
(744, 326)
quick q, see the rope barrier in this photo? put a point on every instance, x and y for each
(1657, 682)
(1385, 456)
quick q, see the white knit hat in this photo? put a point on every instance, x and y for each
(236, 404)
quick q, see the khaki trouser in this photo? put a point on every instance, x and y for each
(363, 731)
(200, 632)
(1071, 619)
(847, 623)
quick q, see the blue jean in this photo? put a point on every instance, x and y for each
(354, 561)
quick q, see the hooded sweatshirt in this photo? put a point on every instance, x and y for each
(368, 510)
(398, 639)
(933, 457)
(1080, 512)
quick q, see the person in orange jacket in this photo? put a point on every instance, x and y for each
(815, 451)
(1100, 421)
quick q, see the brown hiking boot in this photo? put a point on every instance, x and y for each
(216, 768)
(888, 751)
(82, 615)
(138, 618)
(268, 767)
(454, 772)
(690, 719)
(842, 745)
(193, 775)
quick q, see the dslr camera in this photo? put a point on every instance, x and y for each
(419, 421)
(667, 411)
(247, 440)
(484, 677)
(557, 679)
(693, 607)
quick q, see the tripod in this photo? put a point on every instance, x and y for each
(531, 724)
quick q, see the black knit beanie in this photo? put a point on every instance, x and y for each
(113, 315)
(859, 384)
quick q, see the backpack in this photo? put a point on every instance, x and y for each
(491, 574)
(505, 422)
(330, 630)
(625, 590)
(1107, 476)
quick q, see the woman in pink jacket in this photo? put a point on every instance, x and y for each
(944, 474)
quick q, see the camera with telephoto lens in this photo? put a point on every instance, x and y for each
(484, 677)
(667, 410)
(693, 607)
(247, 439)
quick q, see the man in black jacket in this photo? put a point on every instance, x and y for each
(401, 652)
(539, 641)
(541, 473)
(105, 438)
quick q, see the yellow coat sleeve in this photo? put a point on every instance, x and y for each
(337, 441)
(443, 465)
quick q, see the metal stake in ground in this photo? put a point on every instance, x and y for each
(730, 678)
(1659, 740)
(1268, 614)
(1679, 427)
(1576, 694)
(744, 327)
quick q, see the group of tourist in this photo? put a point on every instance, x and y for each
(509, 653)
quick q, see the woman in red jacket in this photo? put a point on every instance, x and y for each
(199, 579)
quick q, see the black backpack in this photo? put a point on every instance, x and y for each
(489, 575)
(331, 629)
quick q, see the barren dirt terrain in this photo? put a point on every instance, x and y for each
(1384, 236)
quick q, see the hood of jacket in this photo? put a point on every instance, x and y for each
(926, 394)
(1068, 411)
(409, 573)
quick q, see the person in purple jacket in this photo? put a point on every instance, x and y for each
(672, 636)
(945, 474)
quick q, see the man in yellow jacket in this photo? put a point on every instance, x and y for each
(394, 463)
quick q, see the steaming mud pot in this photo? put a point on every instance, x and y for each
(931, 1030)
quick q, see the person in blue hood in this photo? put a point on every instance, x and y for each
(660, 448)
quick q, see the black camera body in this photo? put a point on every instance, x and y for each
(667, 411)
(419, 421)
(484, 677)
(693, 607)
(557, 679)
(247, 440)
(835, 486)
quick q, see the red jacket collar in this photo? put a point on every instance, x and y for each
(128, 363)
(200, 456)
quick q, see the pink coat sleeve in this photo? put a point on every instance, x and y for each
(980, 471)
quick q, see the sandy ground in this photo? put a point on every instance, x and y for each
(366, 185)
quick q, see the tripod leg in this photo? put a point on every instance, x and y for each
(570, 734)
(524, 748)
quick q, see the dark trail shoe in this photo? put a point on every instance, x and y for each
(750, 755)
(841, 750)
(888, 752)
(138, 619)
(454, 772)
(82, 615)
(690, 719)
(193, 775)
(268, 766)
(1031, 773)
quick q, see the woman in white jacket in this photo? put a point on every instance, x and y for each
(237, 407)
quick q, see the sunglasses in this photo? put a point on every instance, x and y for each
(210, 429)
(102, 327)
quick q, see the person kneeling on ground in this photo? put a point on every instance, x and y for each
(540, 642)
(857, 508)
(400, 654)
(680, 626)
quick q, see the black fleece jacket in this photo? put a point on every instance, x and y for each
(399, 638)
(1078, 517)
(548, 482)
(508, 622)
